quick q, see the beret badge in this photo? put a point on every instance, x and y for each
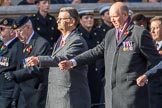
(14, 26)
(5, 22)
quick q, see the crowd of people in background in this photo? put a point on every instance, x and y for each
(46, 62)
(32, 2)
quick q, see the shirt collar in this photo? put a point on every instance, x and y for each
(65, 37)
(30, 38)
(7, 43)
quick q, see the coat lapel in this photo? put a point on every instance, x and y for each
(6, 48)
(57, 49)
(126, 34)
(28, 49)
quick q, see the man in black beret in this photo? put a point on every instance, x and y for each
(10, 54)
(44, 23)
(32, 80)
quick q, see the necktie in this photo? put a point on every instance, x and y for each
(62, 43)
(25, 45)
(157, 45)
(118, 35)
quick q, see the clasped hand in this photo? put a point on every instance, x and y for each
(142, 80)
(65, 65)
(32, 61)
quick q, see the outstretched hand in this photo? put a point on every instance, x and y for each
(65, 65)
(142, 80)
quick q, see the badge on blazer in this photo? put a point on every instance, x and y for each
(2, 48)
(128, 46)
(28, 49)
(24, 63)
(4, 61)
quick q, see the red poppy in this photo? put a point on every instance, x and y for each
(126, 33)
(28, 49)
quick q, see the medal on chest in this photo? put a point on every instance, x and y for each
(127, 46)
(4, 61)
(2, 48)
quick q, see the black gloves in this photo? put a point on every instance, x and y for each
(9, 76)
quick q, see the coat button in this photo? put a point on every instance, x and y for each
(52, 28)
(51, 38)
(96, 69)
(38, 29)
(50, 18)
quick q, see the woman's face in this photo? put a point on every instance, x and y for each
(44, 6)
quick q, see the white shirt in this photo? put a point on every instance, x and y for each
(7, 43)
(159, 45)
(27, 42)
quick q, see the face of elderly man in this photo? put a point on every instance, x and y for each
(156, 30)
(24, 32)
(118, 15)
(6, 33)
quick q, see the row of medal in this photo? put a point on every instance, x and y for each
(127, 46)
(24, 63)
(4, 61)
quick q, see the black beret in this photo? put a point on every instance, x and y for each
(7, 22)
(20, 21)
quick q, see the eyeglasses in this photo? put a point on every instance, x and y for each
(58, 19)
(3, 28)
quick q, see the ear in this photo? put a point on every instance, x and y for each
(72, 22)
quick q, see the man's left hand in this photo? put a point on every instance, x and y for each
(9, 76)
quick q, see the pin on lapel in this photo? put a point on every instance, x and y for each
(28, 49)
(126, 33)
(62, 43)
